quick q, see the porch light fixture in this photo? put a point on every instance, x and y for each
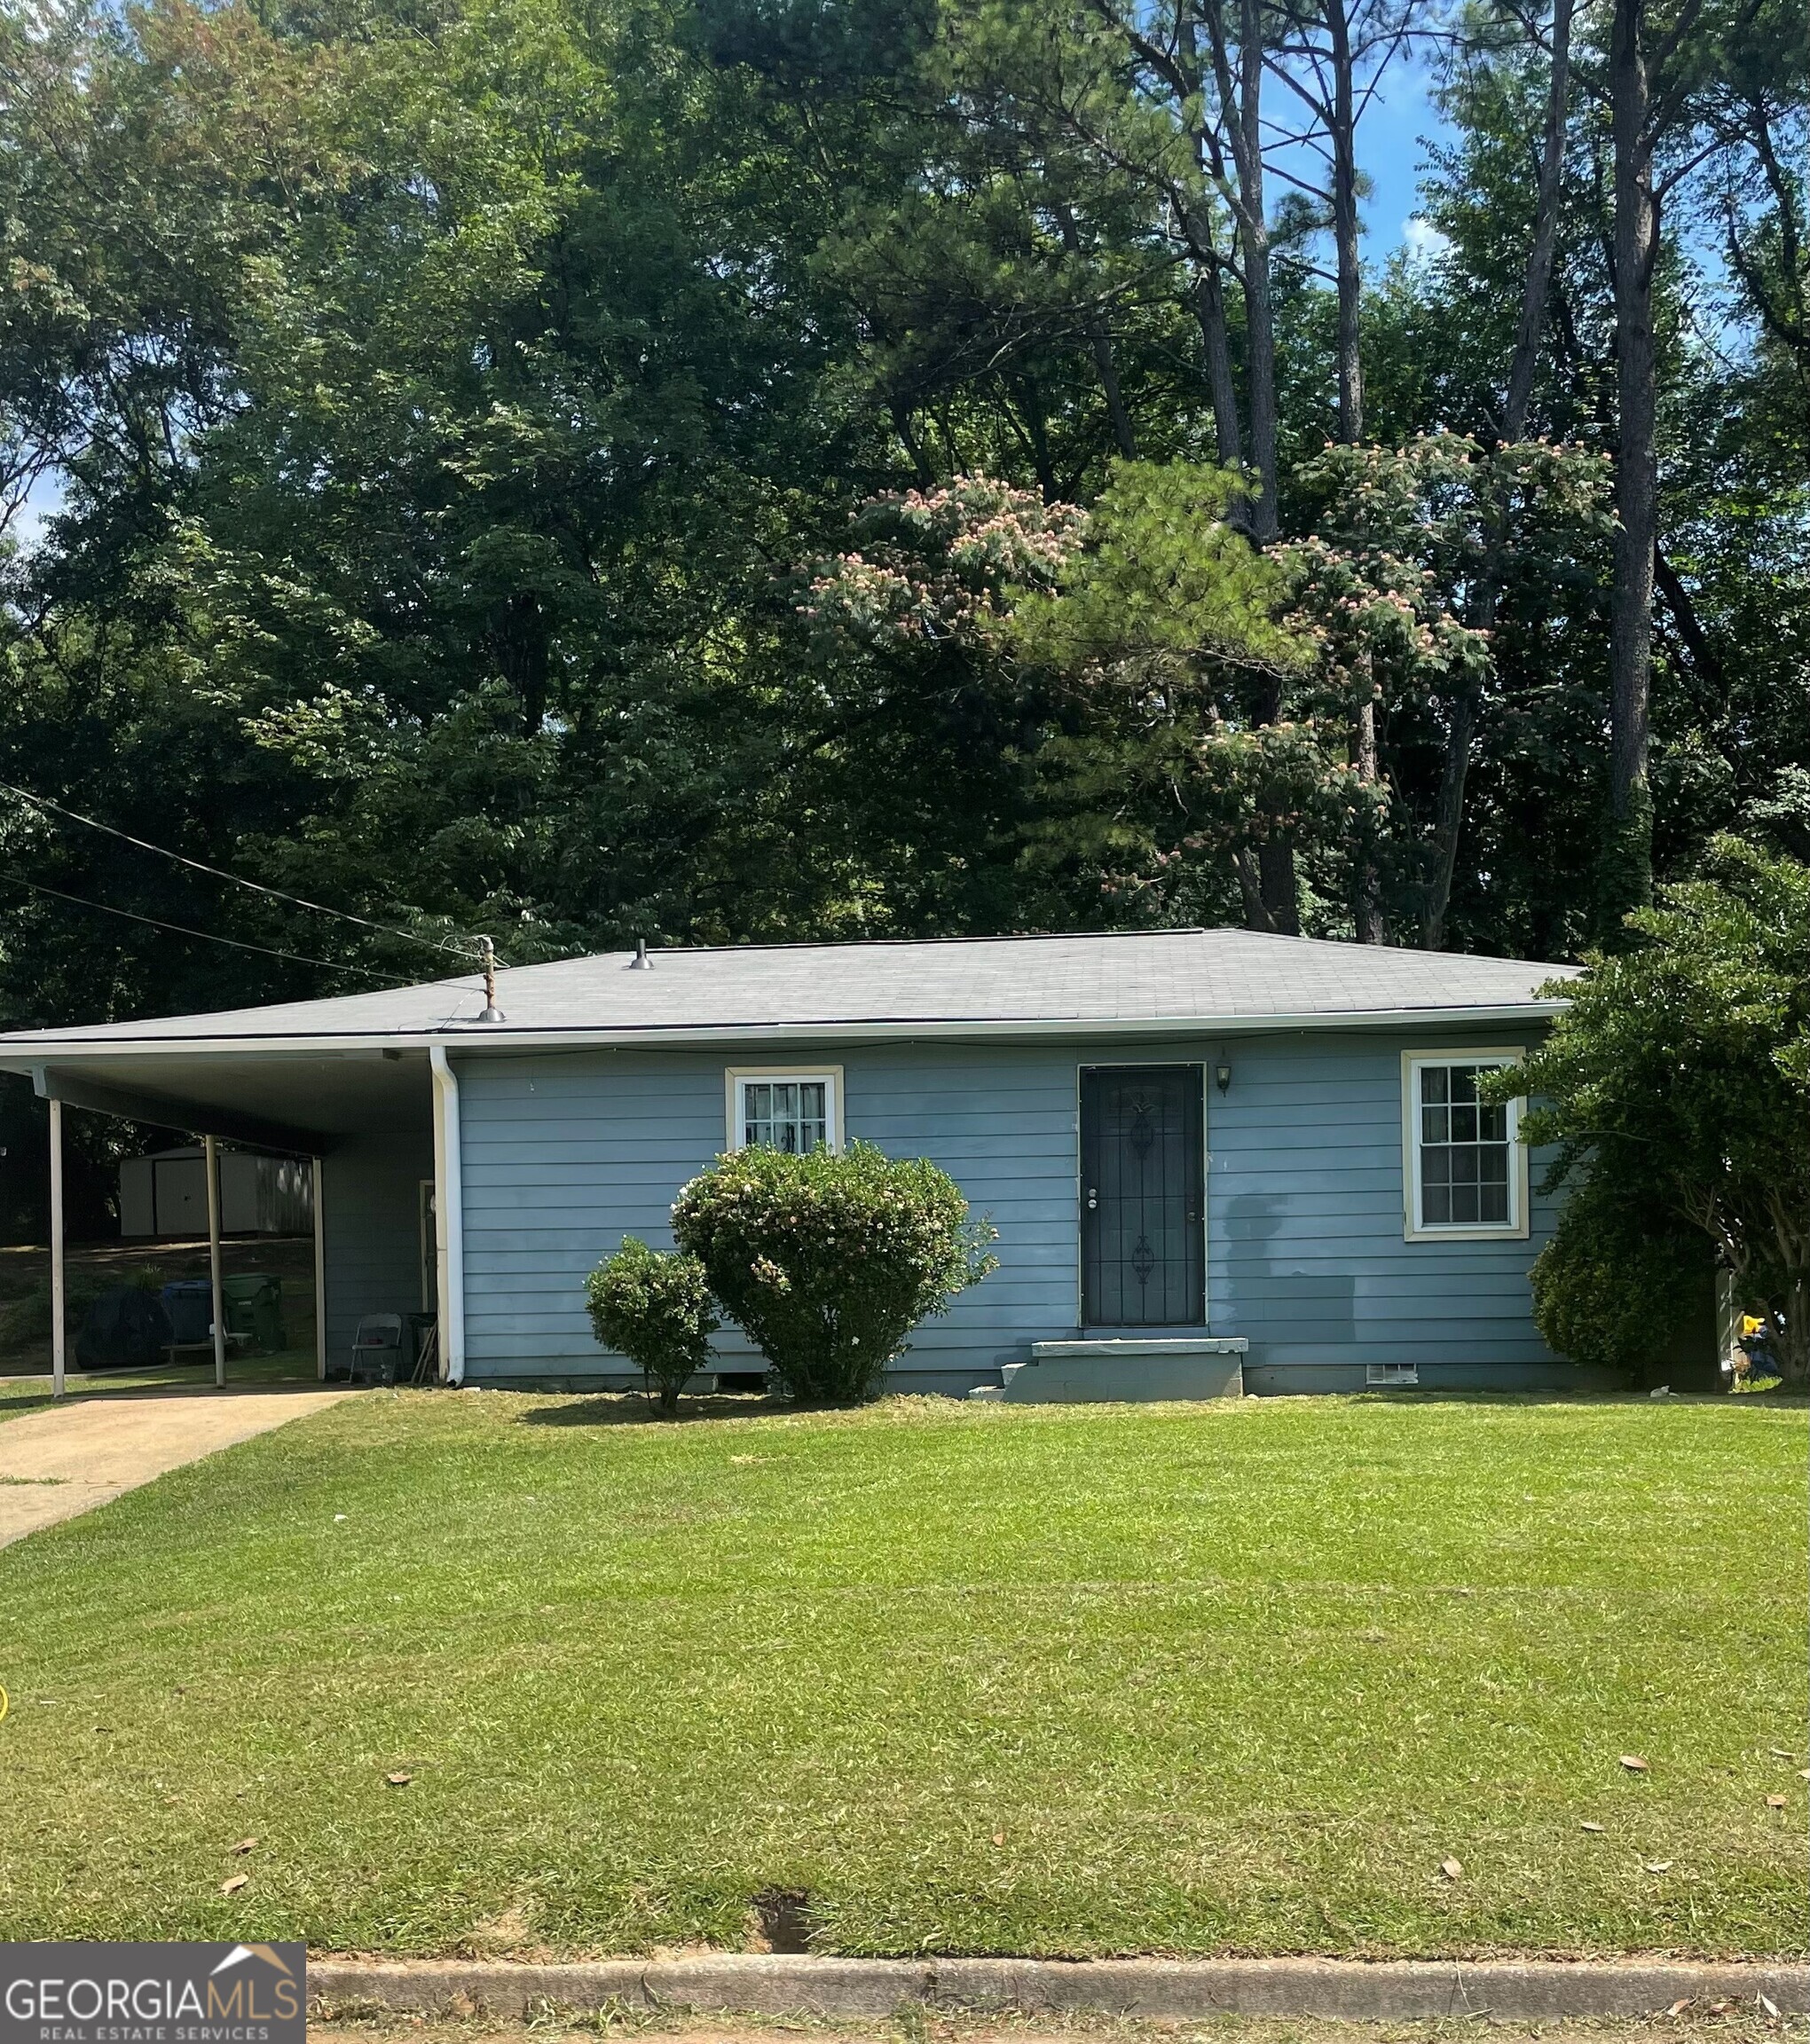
(1222, 1075)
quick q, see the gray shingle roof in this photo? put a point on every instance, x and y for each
(1230, 977)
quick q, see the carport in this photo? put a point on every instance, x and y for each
(378, 1124)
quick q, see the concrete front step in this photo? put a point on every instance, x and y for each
(1141, 1371)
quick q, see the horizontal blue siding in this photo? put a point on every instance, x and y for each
(565, 1153)
(1305, 1253)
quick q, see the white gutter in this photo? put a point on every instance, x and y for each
(679, 1035)
(449, 1220)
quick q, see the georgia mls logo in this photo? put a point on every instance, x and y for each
(154, 1994)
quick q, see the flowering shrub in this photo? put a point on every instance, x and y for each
(936, 564)
(830, 1260)
(655, 1309)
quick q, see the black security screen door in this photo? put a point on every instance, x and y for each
(1143, 1261)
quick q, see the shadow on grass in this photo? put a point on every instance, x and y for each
(22, 1392)
(636, 1409)
(19, 1396)
(1768, 1395)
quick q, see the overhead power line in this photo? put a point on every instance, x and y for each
(473, 952)
(208, 936)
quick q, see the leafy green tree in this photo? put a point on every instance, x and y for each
(1676, 1088)
(1183, 749)
(1138, 641)
(1389, 588)
(443, 407)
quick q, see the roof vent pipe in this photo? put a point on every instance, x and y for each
(488, 952)
(640, 961)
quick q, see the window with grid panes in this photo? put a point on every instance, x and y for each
(789, 1114)
(1466, 1149)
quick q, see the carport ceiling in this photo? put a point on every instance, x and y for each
(336, 1093)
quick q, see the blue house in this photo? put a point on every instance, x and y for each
(1215, 1160)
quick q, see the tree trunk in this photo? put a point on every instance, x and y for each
(1254, 243)
(1241, 95)
(1792, 1342)
(1276, 875)
(1341, 125)
(1684, 616)
(1209, 308)
(922, 473)
(1344, 141)
(1546, 233)
(1625, 880)
(1448, 829)
(1536, 284)
(1367, 902)
(1099, 339)
(523, 654)
(1250, 887)
(1023, 411)
(1210, 288)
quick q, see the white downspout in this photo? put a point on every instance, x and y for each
(449, 1218)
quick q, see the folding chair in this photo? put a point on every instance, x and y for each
(377, 1348)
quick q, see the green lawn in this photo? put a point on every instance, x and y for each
(19, 1394)
(1231, 1678)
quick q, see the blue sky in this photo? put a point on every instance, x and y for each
(1391, 143)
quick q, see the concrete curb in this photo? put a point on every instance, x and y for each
(1406, 1990)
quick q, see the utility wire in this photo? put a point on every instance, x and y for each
(208, 936)
(470, 952)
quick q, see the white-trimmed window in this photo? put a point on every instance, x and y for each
(792, 1108)
(1464, 1168)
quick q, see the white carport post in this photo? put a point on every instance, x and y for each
(319, 1274)
(58, 1331)
(210, 1156)
(449, 1218)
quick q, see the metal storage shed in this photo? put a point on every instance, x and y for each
(165, 1194)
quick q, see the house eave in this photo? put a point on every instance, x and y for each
(25, 1055)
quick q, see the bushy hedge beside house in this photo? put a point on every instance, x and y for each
(830, 1260)
(1676, 1091)
(655, 1309)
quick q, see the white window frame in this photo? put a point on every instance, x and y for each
(1416, 1230)
(828, 1076)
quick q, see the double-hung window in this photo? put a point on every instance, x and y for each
(793, 1110)
(1464, 1168)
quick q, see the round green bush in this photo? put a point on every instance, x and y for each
(1615, 1282)
(655, 1307)
(829, 1261)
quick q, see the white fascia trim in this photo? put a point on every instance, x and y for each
(449, 1218)
(476, 1036)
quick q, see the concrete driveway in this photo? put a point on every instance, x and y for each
(66, 1459)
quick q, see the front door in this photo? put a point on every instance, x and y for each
(1143, 1245)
